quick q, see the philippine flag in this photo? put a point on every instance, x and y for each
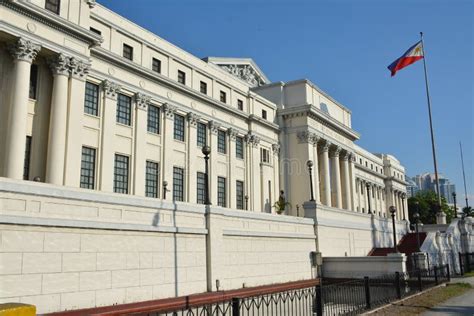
(412, 55)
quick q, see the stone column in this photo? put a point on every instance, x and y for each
(107, 149)
(325, 175)
(74, 140)
(57, 121)
(231, 193)
(213, 129)
(336, 178)
(23, 53)
(317, 190)
(168, 111)
(346, 182)
(255, 201)
(139, 162)
(192, 155)
(353, 180)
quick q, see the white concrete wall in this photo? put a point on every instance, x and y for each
(358, 267)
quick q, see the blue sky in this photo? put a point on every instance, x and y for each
(344, 47)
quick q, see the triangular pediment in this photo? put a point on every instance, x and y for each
(243, 68)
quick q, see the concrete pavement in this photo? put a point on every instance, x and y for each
(459, 305)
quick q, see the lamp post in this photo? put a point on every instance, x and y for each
(247, 202)
(165, 189)
(403, 205)
(206, 150)
(393, 210)
(455, 209)
(416, 216)
(367, 185)
(309, 163)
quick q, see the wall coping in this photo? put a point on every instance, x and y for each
(367, 258)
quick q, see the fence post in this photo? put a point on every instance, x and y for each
(420, 284)
(367, 292)
(235, 306)
(436, 275)
(461, 264)
(449, 274)
(397, 285)
(318, 302)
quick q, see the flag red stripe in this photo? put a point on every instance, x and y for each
(403, 62)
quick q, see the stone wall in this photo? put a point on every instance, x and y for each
(359, 267)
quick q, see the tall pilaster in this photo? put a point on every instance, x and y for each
(231, 193)
(55, 161)
(336, 178)
(192, 153)
(139, 163)
(168, 111)
(74, 140)
(213, 131)
(325, 175)
(23, 53)
(254, 192)
(346, 180)
(107, 149)
(317, 190)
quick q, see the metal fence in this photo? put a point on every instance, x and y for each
(466, 262)
(347, 297)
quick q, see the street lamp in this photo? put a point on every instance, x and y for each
(247, 202)
(393, 210)
(455, 209)
(416, 216)
(309, 163)
(165, 189)
(403, 205)
(206, 150)
(368, 197)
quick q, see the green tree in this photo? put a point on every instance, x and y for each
(426, 204)
(468, 211)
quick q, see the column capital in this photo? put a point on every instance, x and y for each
(335, 152)
(214, 126)
(252, 139)
(232, 132)
(346, 156)
(169, 110)
(60, 65)
(110, 88)
(276, 148)
(325, 145)
(307, 137)
(24, 49)
(193, 118)
(78, 68)
(142, 100)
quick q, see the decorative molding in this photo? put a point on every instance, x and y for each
(24, 49)
(142, 100)
(252, 139)
(91, 3)
(60, 65)
(78, 68)
(325, 146)
(214, 126)
(276, 148)
(304, 137)
(169, 110)
(232, 132)
(246, 73)
(193, 118)
(110, 88)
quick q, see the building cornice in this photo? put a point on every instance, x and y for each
(370, 171)
(119, 61)
(54, 21)
(316, 114)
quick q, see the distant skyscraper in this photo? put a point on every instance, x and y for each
(426, 182)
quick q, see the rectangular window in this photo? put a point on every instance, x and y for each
(52, 5)
(221, 192)
(264, 155)
(264, 114)
(151, 179)
(26, 164)
(201, 134)
(124, 109)
(201, 187)
(179, 127)
(156, 65)
(181, 77)
(178, 184)
(33, 81)
(239, 147)
(128, 51)
(203, 87)
(221, 142)
(88, 168)
(153, 119)
(240, 105)
(91, 99)
(121, 174)
(96, 31)
(223, 97)
(239, 193)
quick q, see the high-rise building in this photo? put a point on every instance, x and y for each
(427, 182)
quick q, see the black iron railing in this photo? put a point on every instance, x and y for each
(466, 262)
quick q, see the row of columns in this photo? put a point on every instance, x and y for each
(68, 87)
(373, 192)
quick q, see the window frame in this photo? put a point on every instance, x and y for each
(178, 188)
(94, 109)
(91, 174)
(203, 87)
(33, 84)
(223, 96)
(153, 121)
(239, 147)
(124, 186)
(152, 180)
(182, 77)
(27, 159)
(179, 130)
(240, 104)
(57, 5)
(264, 114)
(221, 142)
(239, 195)
(200, 188)
(126, 47)
(201, 134)
(221, 191)
(156, 62)
(124, 114)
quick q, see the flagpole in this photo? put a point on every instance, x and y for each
(431, 126)
(463, 175)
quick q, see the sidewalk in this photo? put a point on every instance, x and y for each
(459, 305)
